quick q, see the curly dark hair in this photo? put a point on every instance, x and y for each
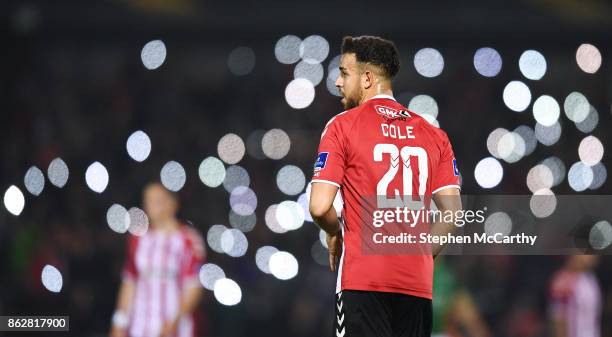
(375, 50)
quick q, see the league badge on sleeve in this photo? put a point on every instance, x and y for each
(455, 169)
(320, 162)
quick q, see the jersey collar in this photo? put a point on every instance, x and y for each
(383, 96)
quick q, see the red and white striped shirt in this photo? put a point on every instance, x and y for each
(162, 265)
(576, 300)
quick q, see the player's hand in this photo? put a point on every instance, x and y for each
(334, 245)
(117, 331)
(169, 328)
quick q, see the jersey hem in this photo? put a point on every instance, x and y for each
(388, 289)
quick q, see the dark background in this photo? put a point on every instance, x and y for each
(72, 85)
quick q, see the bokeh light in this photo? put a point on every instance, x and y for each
(243, 200)
(245, 223)
(34, 181)
(532, 64)
(493, 141)
(231, 148)
(283, 265)
(309, 71)
(287, 49)
(511, 147)
(304, 202)
(139, 221)
(58, 173)
(234, 243)
(276, 144)
(488, 172)
(428, 62)
(118, 218)
(600, 235)
(498, 222)
(580, 176)
(299, 93)
(539, 177)
(138, 146)
(543, 203)
(600, 174)
(487, 62)
(557, 168)
(209, 274)
(319, 253)
(213, 237)
(590, 150)
(517, 96)
(576, 107)
(14, 201)
(548, 135)
(529, 138)
(241, 61)
(235, 176)
(211, 172)
(272, 222)
(96, 177)
(588, 58)
(290, 215)
(314, 49)
(424, 105)
(290, 180)
(262, 258)
(52, 279)
(173, 176)
(253, 144)
(153, 54)
(590, 122)
(546, 110)
(227, 292)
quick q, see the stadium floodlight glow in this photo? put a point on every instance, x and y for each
(241, 61)
(245, 223)
(580, 176)
(590, 122)
(314, 49)
(429, 62)
(272, 222)
(262, 258)
(498, 222)
(231, 148)
(283, 265)
(299, 93)
(424, 105)
(576, 107)
(543, 203)
(532, 64)
(546, 110)
(138, 146)
(275, 144)
(234, 243)
(139, 221)
(590, 150)
(600, 174)
(290, 180)
(34, 181)
(556, 167)
(517, 96)
(227, 292)
(58, 173)
(310, 71)
(488, 172)
(14, 201)
(540, 177)
(211, 171)
(235, 176)
(52, 279)
(209, 274)
(153, 54)
(173, 176)
(243, 200)
(588, 58)
(287, 49)
(118, 218)
(487, 62)
(600, 235)
(96, 177)
(213, 237)
(548, 135)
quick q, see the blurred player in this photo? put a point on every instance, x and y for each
(160, 287)
(378, 148)
(576, 299)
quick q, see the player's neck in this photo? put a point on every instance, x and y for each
(375, 91)
(166, 225)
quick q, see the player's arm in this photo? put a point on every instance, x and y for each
(124, 302)
(447, 200)
(322, 207)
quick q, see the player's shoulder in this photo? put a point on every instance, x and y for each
(192, 238)
(562, 283)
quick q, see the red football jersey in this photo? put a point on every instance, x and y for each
(381, 151)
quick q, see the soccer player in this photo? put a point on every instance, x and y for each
(160, 288)
(575, 304)
(378, 148)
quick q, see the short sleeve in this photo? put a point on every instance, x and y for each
(559, 295)
(445, 173)
(330, 164)
(130, 272)
(193, 257)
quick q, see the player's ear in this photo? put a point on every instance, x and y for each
(367, 79)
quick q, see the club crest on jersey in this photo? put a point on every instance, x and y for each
(455, 169)
(391, 113)
(320, 162)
